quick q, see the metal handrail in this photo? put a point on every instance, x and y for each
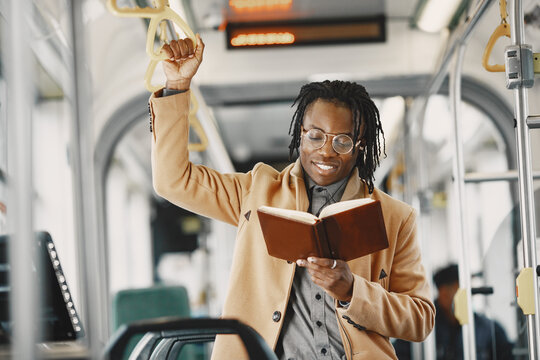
(463, 299)
(457, 41)
(526, 204)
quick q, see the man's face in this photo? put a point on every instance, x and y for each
(325, 166)
(446, 296)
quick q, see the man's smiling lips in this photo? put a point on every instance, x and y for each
(324, 166)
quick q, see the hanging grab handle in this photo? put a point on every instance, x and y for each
(166, 14)
(158, 15)
(196, 126)
(502, 30)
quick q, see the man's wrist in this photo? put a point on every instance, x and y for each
(182, 85)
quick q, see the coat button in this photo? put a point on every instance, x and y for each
(276, 316)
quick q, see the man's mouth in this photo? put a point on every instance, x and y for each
(324, 167)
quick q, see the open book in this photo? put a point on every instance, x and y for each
(345, 230)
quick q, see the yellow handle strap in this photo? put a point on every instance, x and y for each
(502, 30)
(158, 15)
(148, 76)
(166, 14)
(196, 126)
(502, 10)
(146, 12)
(153, 63)
(525, 291)
(461, 307)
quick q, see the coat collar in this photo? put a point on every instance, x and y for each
(297, 170)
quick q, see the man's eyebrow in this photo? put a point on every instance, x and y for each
(340, 133)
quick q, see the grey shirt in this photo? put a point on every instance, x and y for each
(310, 329)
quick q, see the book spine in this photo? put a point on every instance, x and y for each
(322, 239)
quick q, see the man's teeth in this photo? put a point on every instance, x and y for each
(324, 167)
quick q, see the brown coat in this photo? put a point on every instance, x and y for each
(397, 305)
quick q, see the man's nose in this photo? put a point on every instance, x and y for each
(327, 148)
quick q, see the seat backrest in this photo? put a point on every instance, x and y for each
(173, 333)
(132, 305)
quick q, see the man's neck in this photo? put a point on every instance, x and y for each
(310, 182)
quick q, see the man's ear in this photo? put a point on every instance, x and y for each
(361, 144)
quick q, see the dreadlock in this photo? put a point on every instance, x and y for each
(356, 98)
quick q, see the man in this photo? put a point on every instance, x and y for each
(491, 340)
(315, 308)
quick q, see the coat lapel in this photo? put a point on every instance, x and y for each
(355, 188)
(297, 174)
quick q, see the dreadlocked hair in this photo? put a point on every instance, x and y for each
(355, 97)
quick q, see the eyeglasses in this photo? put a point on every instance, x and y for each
(341, 143)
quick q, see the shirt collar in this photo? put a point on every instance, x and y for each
(330, 188)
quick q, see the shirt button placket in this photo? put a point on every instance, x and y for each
(319, 333)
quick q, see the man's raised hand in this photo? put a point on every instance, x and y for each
(183, 61)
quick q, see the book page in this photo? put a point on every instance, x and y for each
(297, 215)
(342, 206)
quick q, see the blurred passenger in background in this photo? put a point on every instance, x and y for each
(491, 340)
(3, 208)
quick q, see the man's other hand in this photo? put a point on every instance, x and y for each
(336, 281)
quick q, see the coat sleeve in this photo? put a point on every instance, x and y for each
(194, 187)
(403, 311)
